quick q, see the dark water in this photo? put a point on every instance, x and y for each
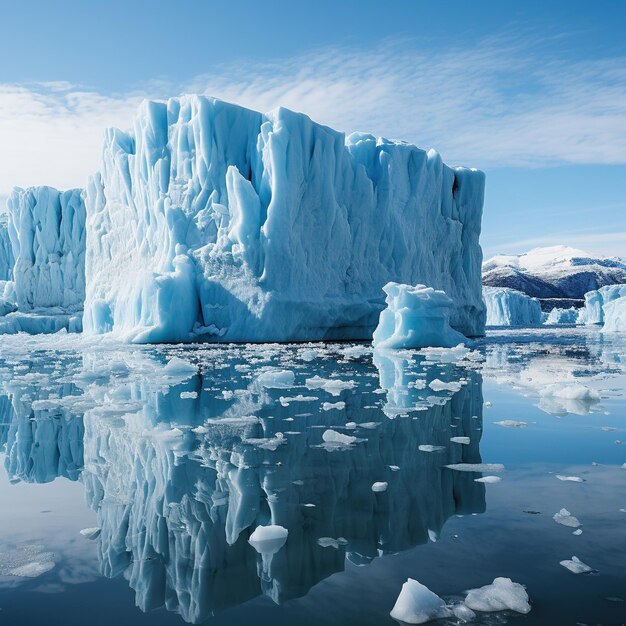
(97, 435)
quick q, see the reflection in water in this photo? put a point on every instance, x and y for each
(181, 468)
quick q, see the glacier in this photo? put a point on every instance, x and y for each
(42, 260)
(47, 232)
(509, 307)
(210, 221)
(596, 300)
(615, 316)
(415, 317)
(560, 315)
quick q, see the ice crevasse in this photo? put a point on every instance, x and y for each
(209, 221)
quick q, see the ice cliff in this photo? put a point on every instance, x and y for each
(595, 301)
(47, 232)
(509, 307)
(6, 251)
(212, 221)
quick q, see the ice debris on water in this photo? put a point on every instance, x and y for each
(476, 467)
(488, 479)
(417, 604)
(570, 479)
(565, 518)
(380, 486)
(91, 533)
(511, 424)
(576, 566)
(268, 539)
(503, 594)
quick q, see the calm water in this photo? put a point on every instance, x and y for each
(173, 469)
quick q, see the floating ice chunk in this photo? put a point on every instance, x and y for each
(570, 391)
(333, 386)
(565, 518)
(417, 604)
(415, 317)
(276, 379)
(463, 613)
(577, 532)
(476, 467)
(177, 366)
(378, 487)
(28, 561)
(332, 436)
(488, 479)
(188, 395)
(571, 479)
(91, 533)
(426, 447)
(463, 440)
(329, 406)
(503, 594)
(286, 400)
(268, 539)
(439, 385)
(576, 566)
(511, 424)
(329, 542)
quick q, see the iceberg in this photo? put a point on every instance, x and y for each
(6, 253)
(509, 307)
(595, 302)
(563, 316)
(209, 221)
(615, 316)
(47, 232)
(417, 604)
(415, 317)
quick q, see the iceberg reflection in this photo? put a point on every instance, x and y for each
(182, 466)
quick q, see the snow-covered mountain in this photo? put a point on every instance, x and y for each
(557, 275)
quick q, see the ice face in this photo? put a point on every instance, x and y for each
(47, 232)
(6, 251)
(563, 316)
(212, 221)
(509, 307)
(615, 315)
(415, 317)
(595, 301)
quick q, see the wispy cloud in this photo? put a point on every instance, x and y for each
(505, 101)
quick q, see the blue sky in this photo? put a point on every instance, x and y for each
(534, 93)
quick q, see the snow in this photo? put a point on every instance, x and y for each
(47, 231)
(615, 316)
(596, 300)
(417, 604)
(415, 317)
(268, 539)
(576, 566)
(503, 594)
(556, 273)
(509, 307)
(270, 227)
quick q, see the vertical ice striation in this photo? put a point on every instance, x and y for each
(47, 231)
(6, 251)
(595, 302)
(509, 307)
(210, 220)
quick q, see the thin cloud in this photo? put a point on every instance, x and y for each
(503, 102)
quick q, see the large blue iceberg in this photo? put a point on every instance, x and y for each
(209, 221)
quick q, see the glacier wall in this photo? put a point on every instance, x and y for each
(209, 220)
(6, 251)
(47, 232)
(596, 300)
(615, 316)
(509, 307)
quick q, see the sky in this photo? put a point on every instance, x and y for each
(533, 93)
